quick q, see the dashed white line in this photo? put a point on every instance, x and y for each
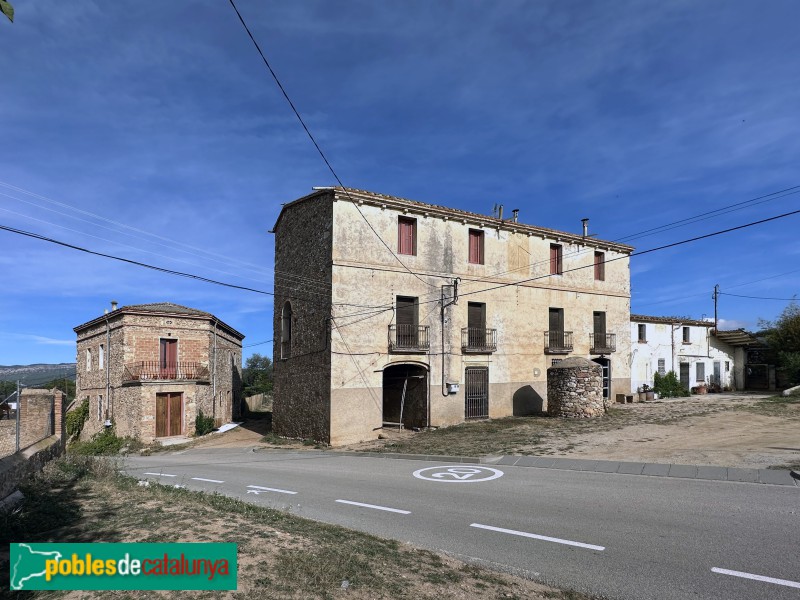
(208, 480)
(786, 582)
(257, 488)
(161, 474)
(376, 507)
(538, 537)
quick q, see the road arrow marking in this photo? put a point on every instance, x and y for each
(785, 582)
(538, 537)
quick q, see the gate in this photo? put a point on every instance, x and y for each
(605, 363)
(476, 401)
(756, 377)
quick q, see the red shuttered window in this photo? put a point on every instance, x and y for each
(406, 235)
(556, 267)
(476, 246)
(599, 266)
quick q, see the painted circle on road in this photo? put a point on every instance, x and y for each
(458, 474)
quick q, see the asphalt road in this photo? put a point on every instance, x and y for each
(613, 535)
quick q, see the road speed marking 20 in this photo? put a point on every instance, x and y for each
(458, 474)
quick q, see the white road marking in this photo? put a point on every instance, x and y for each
(458, 473)
(257, 488)
(538, 537)
(785, 582)
(376, 507)
(208, 480)
(161, 474)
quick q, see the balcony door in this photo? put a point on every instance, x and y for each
(168, 359)
(556, 331)
(476, 325)
(407, 321)
(599, 319)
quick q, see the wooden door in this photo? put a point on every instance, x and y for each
(169, 414)
(168, 359)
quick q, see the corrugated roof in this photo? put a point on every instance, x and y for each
(737, 337)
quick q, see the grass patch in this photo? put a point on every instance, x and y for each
(83, 499)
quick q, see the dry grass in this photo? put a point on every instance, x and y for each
(280, 555)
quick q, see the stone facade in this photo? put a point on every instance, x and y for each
(344, 289)
(575, 389)
(126, 371)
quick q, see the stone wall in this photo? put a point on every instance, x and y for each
(575, 389)
(39, 415)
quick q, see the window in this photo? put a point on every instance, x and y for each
(476, 246)
(99, 408)
(88, 359)
(556, 256)
(701, 372)
(662, 367)
(686, 337)
(101, 357)
(600, 266)
(727, 366)
(642, 333)
(406, 235)
(286, 331)
(555, 361)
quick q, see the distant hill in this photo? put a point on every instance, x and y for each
(33, 375)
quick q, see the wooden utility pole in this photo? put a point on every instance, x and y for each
(716, 297)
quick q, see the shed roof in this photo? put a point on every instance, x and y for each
(671, 320)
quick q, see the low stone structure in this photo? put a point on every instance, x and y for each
(575, 389)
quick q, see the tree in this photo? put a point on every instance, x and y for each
(257, 375)
(7, 10)
(783, 336)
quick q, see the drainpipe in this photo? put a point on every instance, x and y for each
(214, 375)
(107, 358)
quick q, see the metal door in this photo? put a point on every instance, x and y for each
(476, 393)
(606, 364)
(685, 375)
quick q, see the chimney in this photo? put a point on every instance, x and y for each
(585, 227)
(500, 212)
(113, 305)
(515, 212)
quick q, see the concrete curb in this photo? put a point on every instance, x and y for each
(673, 471)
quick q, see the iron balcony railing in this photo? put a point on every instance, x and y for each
(155, 370)
(602, 343)
(557, 342)
(409, 338)
(478, 339)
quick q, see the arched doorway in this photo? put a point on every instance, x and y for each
(405, 396)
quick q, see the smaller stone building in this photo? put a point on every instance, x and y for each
(150, 368)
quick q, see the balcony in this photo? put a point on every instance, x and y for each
(478, 340)
(409, 338)
(155, 370)
(602, 343)
(557, 342)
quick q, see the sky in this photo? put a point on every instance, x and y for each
(159, 136)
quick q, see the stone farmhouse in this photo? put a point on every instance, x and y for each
(691, 348)
(451, 315)
(149, 369)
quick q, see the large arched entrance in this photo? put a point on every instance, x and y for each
(405, 396)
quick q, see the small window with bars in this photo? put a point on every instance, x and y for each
(662, 367)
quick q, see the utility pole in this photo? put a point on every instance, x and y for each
(716, 297)
(19, 405)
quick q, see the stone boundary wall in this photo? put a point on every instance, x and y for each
(40, 416)
(21, 465)
(575, 389)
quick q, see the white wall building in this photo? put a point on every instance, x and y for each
(688, 347)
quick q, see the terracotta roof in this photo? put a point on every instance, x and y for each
(364, 196)
(162, 308)
(671, 320)
(169, 307)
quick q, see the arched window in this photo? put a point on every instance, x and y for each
(286, 330)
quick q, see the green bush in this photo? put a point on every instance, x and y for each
(203, 424)
(104, 443)
(668, 386)
(76, 418)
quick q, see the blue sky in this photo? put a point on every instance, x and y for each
(156, 134)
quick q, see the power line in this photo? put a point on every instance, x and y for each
(316, 145)
(758, 297)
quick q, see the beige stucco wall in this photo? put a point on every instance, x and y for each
(519, 313)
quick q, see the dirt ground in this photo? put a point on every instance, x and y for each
(733, 430)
